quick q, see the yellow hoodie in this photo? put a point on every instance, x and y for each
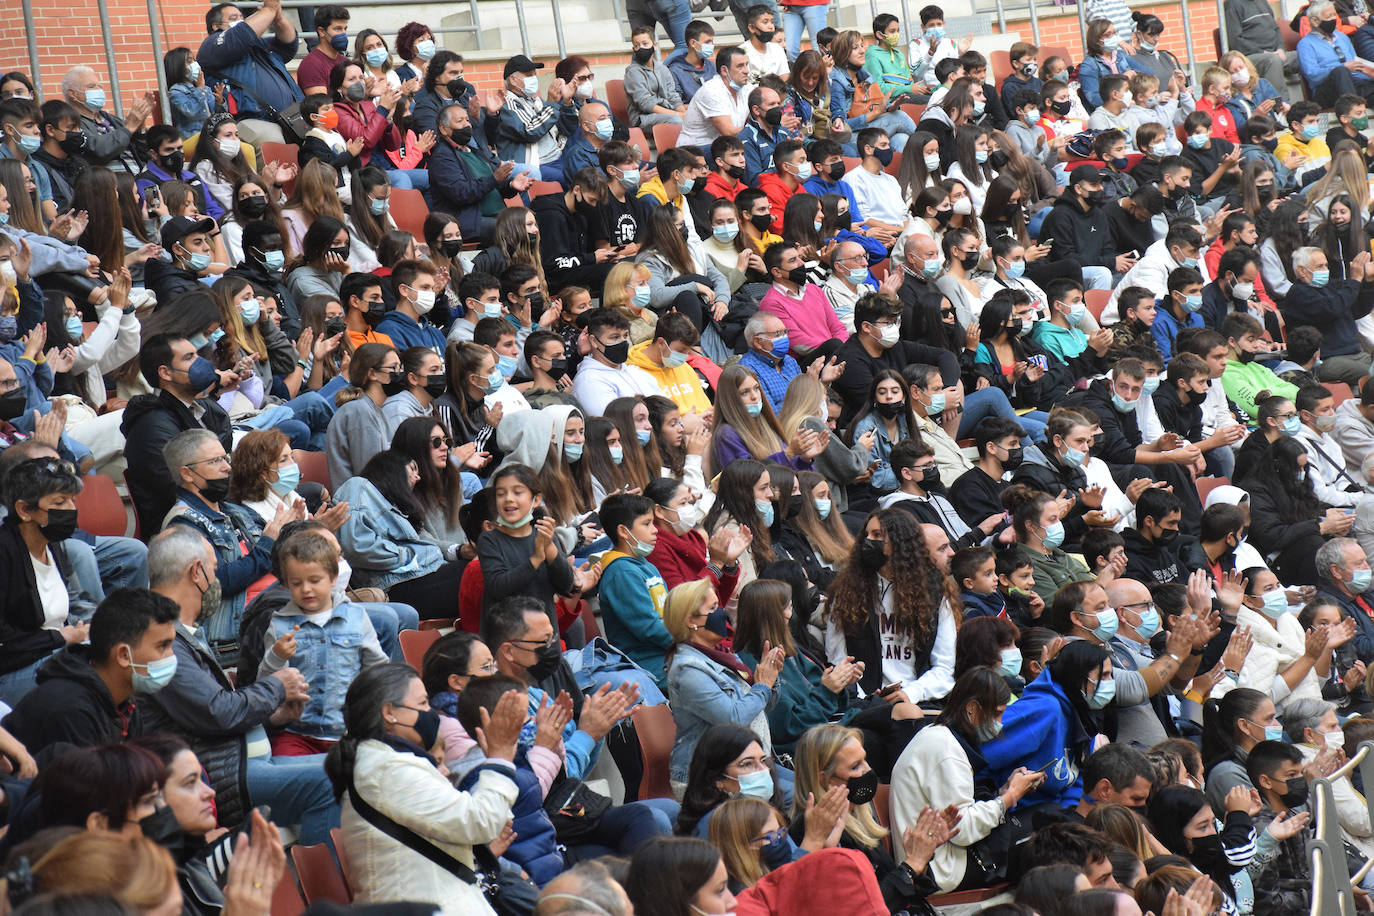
(681, 384)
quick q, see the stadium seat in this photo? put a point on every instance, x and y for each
(617, 100)
(99, 510)
(284, 153)
(414, 644)
(1096, 301)
(139, 527)
(665, 136)
(321, 877)
(287, 899)
(1340, 391)
(656, 730)
(999, 62)
(314, 467)
(1048, 51)
(882, 801)
(540, 188)
(408, 210)
(895, 165)
(638, 139)
(1206, 485)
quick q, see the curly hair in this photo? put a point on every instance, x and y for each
(916, 582)
(254, 458)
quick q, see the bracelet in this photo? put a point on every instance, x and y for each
(1175, 658)
(1232, 674)
(1197, 652)
(303, 364)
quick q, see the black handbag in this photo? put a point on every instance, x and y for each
(575, 810)
(506, 889)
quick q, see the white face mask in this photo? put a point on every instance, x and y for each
(424, 301)
(890, 335)
(688, 515)
(963, 205)
(229, 146)
(583, 90)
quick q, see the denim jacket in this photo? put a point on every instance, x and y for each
(380, 543)
(703, 692)
(329, 657)
(883, 478)
(225, 530)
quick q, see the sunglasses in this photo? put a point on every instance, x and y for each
(436, 441)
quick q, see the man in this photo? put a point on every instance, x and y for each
(85, 693)
(1181, 247)
(1343, 576)
(168, 163)
(937, 545)
(850, 280)
(1252, 30)
(930, 399)
(566, 246)
(531, 130)
(1330, 67)
(594, 130)
(977, 493)
(253, 67)
(768, 356)
(877, 193)
(650, 89)
(1154, 549)
(1115, 774)
(466, 179)
(331, 27)
(694, 66)
(1238, 285)
(603, 376)
(22, 137)
(1179, 309)
(1326, 462)
(806, 314)
(1081, 232)
(586, 889)
(664, 359)
(790, 169)
(920, 492)
(768, 125)
(264, 256)
(721, 106)
(921, 264)
(1130, 218)
(875, 345)
(364, 308)
(225, 726)
(1332, 306)
(62, 143)
(827, 177)
(414, 286)
(188, 242)
(108, 142)
(199, 465)
(1354, 429)
(444, 86)
(169, 364)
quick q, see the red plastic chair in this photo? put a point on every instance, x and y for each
(1340, 391)
(314, 467)
(665, 136)
(320, 874)
(1206, 485)
(414, 644)
(656, 730)
(287, 899)
(1096, 300)
(284, 153)
(618, 101)
(408, 209)
(638, 139)
(100, 511)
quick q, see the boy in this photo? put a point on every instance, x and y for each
(1304, 355)
(497, 335)
(884, 60)
(1016, 582)
(1056, 69)
(931, 47)
(1259, 139)
(329, 641)
(1219, 416)
(1180, 307)
(1137, 305)
(481, 298)
(1215, 160)
(1024, 127)
(946, 72)
(1056, 114)
(1024, 65)
(619, 217)
(1280, 870)
(664, 358)
(1243, 377)
(975, 569)
(1112, 114)
(695, 65)
(1105, 552)
(1150, 140)
(1150, 106)
(765, 55)
(1110, 147)
(1154, 549)
(1178, 403)
(729, 168)
(1216, 92)
(323, 140)
(1352, 117)
(1303, 137)
(976, 69)
(977, 493)
(632, 591)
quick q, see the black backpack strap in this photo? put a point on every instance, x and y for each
(412, 840)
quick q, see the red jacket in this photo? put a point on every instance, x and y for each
(813, 886)
(681, 558)
(361, 120)
(470, 597)
(778, 195)
(1223, 121)
(717, 187)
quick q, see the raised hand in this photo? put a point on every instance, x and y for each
(550, 720)
(823, 817)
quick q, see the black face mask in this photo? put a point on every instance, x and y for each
(767, 36)
(889, 411)
(457, 88)
(61, 525)
(163, 828)
(253, 207)
(739, 173)
(836, 170)
(536, 301)
(548, 658)
(1178, 193)
(1013, 459)
(998, 159)
(73, 143)
(761, 221)
(451, 247)
(930, 475)
(341, 251)
(797, 275)
(944, 216)
(1096, 197)
(863, 788)
(558, 368)
(334, 327)
(773, 117)
(884, 156)
(374, 313)
(12, 404)
(617, 353)
(1167, 536)
(462, 136)
(643, 55)
(1014, 329)
(215, 490)
(1061, 108)
(396, 385)
(1209, 856)
(1297, 792)
(682, 231)
(871, 555)
(1245, 356)
(970, 260)
(173, 162)
(436, 385)
(1328, 26)
(533, 239)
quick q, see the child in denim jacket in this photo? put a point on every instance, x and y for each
(319, 632)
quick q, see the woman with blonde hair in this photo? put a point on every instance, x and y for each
(132, 869)
(627, 291)
(1345, 175)
(316, 194)
(752, 838)
(1121, 824)
(1249, 90)
(514, 240)
(746, 427)
(808, 399)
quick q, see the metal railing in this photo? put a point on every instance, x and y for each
(1332, 884)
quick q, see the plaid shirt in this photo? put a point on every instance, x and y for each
(772, 378)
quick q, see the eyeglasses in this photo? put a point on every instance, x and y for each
(217, 460)
(754, 764)
(437, 441)
(538, 643)
(486, 670)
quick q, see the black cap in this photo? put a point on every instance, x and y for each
(1084, 173)
(520, 64)
(179, 227)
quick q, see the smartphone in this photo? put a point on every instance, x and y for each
(538, 513)
(1048, 241)
(889, 689)
(1041, 361)
(1134, 252)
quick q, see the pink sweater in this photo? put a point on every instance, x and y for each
(810, 320)
(457, 742)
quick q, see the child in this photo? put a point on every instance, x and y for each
(1178, 403)
(1179, 308)
(632, 591)
(1244, 377)
(976, 572)
(1057, 69)
(504, 342)
(1024, 66)
(1216, 92)
(323, 141)
(1259, 139)
(1057, 118)
(976, 69)
(1150, 140)
(1016, 582)
(1104, 551)
(1303, 137)
(1024, 127)
(519, 555)
(1215, 169)
(329, 641)
(1279, 870)
(1137, 305)
(946, 72)
(1110, 147)
(1352, 117)
(1149, 105)
(931, 47)
(1304, 356)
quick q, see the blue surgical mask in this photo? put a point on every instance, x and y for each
(531, 85)
(605, 128)
(640, 548)
(1275, 603)
(1321, 277)
(1103, 694)
(1310, 131)
(197, 261)
(74, 328)
(617, 454)
(725, 232)
(1054, 535)
(1122, 404)
(506, 365)
(754, 409)
(287, 479)
(858, 275)
(643, 436)
(1192, 303)
(1074, 458)
(1189, 262)
(686, 185)
(756, 785)
(1273, 733)
(823, 508)
(630, 179)
(1016, 269)
(980, 156)
(1076, 312)
(158, 674)
(1159, 150)
(494, 381)
(491, 310)
(216, 336)
(1198, 141)
(978, 109)
(424, 49)
(937, 403)
(1011, 662)
(1149, 623)
(1151, 384)
(673, 360)
(1111, 42)
(95, 98)
(30, 144)
(781, 345)
(931, 267)
(572, 451)
(250, 311)
(1359, 581)
(765, 509)
(274, 260)
(935, 32)
(1107, 623)
(641, 295)
(804, 171)
(193, 71)
(377, 205)
(1291, 426)
(199, 341)
(376, 57)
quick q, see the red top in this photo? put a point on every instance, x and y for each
(778, 195)
(313, 73)
(716, 185)
(470, 590)
(681, 558)
(1223, 121)
(362, 120)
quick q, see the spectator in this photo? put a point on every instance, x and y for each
(664, 357)
(769, 124)
(168, 164)
(188, 241)
(692, 62)
(253, 67)
(674, 258)
(566, 246)
(1025, 65)
(977, 493)
(876, 193)
(374, 123)
(59, 154)
(108, 142)
(721, 105)
(1328, 61)
(1104, 56)
(192, 101)
(358, 429)
(331, 28)
(444, 86)
(532, 131)
(650, 87)
(23, 138)
(1342, 574)
(852, 90)
(414, 46)
(1331, 306)
(1252, 29)
(807, 316)
(467, 179)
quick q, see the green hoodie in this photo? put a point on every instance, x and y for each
(1242, 381)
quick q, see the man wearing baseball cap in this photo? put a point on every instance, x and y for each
(189, 243)
(1080, 230)
(533, 131)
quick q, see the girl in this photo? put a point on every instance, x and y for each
(818, 536)
(422, 371)
(841, 463)
(251, 199)
(1286, 518)
(473, 378)
(370, 52)
(427, 442)
(682, 553)
(744, 502)
(962, 251)
(973, 150)
(747, 428)
(515, 240)
(674, 262)
(138, 226)
(605, 454)
(919, 172)
(444, 237)
(358, 429)
(519, 555)
(679, 451)
(369, 220)
(1341, 235)
(113, 341)
(960, 106)
(192, 101)
(318, 193)
(932, 210)
(323, 260)
(323, 316)
(569, 465)
(887, 411)
(725, 246)
(736, 828)
(222, 160)
(803, 225)
(1002, 356)
(631, 417)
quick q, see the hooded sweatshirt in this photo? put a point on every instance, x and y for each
(632, 596)
(1152, 561)
(71, 704)
(680, 383)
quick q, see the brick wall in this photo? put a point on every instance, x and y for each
(70, 33)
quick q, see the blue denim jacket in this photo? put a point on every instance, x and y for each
(703, 692)
(329, 657)
(237, 570)
(381, 544)
(883, 478)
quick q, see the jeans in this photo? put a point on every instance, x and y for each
(388, 620)
(899, 127)
(15, 684)
(472, 485)
(304, 419)
(123, 562)
(418, 179)
(1221, 462)
(794, 18)
(1097, 277)
(624, 828)
(673, 15)
(297, 791)
(992, 402)
(647, 122)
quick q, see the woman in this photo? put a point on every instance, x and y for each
(725, 246)
(890, 575)
(959, 107)
(729, 762)
(472, 377)
(323, 316)
(110, 344)
(98, 193)
(263, 475)
(919, 172)
(358, 429)
(318, 193)
(1184, 823)
(817, 536)
(679, 876)
(107, 789)
(515, 240)
(1232, 726)
(1250, 93)
(605, 456)
(1036, 519)
(138, 225)
(251, 198)
(1052, 728)
(382, 773)
(886, 412)
(1345, 175)
(681, 452)
(746, 427)
(136, 872)
(810, 692)
(1341, 235)
(853, 94)
(222, 160)
(374, 122)
(370, 52)
(426, 441)
(641, 460)
(1104, 56)
(1030, 175)
(937, 771)
(1124, 828)
(627, 290)
(415, 46)
(962, 250)
(707, 685)
(192, 101)
(808, 89)
(1314, 727)
(444, 236)
(744, 500)
(422, 373)
(973, 149)
(989, 641)
(1285, 661)
(369, 220)
(1004, 356)
(803, 225)
(40, 496)
(752, 838)
(681, 275)
(323, 260)
(1286, 518)
(21, 192)
(932, 211)
(681, 552)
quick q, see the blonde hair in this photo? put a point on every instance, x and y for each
(1213, 75)
(1142, 84)
(734, 826)
(135, 870)
(805, 394)
(682, 602)
(1345, 175)
(316, 193)
(1231, 57)
(815, 755)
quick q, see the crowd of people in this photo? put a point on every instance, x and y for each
(977, 475)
